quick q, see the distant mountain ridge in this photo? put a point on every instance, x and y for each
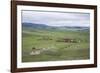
(44, 26)
(34, 25)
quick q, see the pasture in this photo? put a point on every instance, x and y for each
(60, 44)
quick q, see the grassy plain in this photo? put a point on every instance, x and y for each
(54, 39)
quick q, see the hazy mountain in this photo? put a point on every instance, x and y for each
(34, 25)
(44, 26)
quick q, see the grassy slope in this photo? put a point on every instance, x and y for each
(64, 51)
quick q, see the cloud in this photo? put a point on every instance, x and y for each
(56, 18)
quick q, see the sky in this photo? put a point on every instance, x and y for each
(56, 18)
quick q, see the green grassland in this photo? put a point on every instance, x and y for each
(54, 39)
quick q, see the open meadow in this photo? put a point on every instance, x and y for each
(53, 44)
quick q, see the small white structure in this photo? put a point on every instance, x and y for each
(35, 53)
